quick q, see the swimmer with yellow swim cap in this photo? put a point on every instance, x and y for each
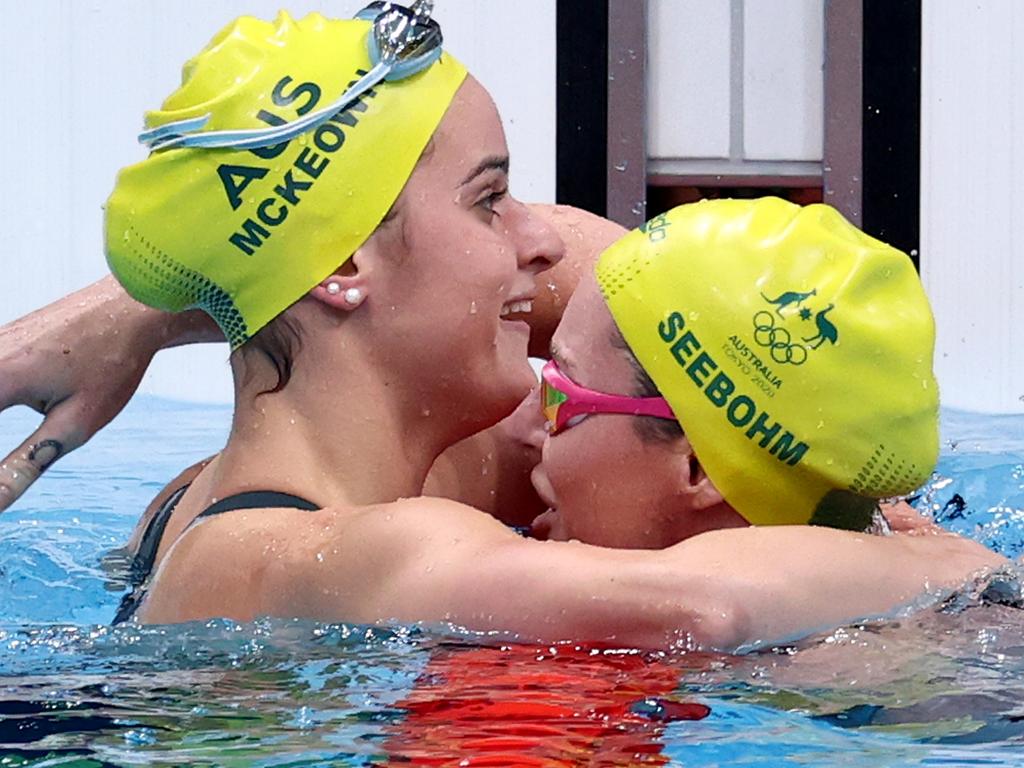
(784, 359)
(347, 223)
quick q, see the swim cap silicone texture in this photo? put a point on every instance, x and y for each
(244, 234)
(795, 351)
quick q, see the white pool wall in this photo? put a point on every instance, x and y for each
(734, 87)
(972, 198)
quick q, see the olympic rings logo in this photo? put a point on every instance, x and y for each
(778, 340)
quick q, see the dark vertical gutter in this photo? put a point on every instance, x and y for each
(582, 104)
(892, 122)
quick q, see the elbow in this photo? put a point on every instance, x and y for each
(701, 620)
(721, 624)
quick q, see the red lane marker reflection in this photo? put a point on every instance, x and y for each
(529, 706)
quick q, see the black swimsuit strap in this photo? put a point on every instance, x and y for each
(257, 500)
(142, 563)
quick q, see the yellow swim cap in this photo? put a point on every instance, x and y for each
(244, 233)
(795, 351)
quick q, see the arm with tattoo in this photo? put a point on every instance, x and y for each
(66, 362)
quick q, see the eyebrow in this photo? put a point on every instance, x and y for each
(493, 162)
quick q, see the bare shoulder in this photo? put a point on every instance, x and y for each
(333, 563)
(185, 477)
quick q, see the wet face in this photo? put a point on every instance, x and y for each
(459, 256)
(604, 483)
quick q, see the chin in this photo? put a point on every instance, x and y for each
(496, 397)
(514, 364)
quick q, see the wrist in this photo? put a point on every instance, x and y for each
(152, 329)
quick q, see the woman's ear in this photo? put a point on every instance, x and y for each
(694, 481)
(347, 288)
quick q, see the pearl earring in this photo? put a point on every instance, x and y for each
(333, 288)
(353, 296)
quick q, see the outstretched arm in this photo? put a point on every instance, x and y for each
(77, 362)
(432, 560)
(728, 589)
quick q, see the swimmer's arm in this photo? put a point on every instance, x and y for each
(419, 560)
(724, 590)
(430, 560)
(585, 236)
(78, 361)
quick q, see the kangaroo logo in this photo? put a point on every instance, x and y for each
(826, 330)
(783, 300)
(771, 333)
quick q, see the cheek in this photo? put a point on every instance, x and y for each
(612, 488)
(590, 470)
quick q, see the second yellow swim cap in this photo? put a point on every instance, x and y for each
(795, 351)
(244, 233)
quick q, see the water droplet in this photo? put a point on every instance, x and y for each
(140, 736)
(304, 718)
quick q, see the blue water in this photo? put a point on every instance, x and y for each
(933, 689)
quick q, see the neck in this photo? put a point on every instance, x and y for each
(349, 439)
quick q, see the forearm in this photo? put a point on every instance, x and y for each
(789, 582)
(557, 591)
(77, 362)
(156, 329)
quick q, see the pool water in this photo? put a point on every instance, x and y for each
(933, 689)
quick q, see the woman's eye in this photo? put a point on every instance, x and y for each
(489, 202)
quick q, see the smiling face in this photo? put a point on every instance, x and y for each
(605, 483)
(458, 256)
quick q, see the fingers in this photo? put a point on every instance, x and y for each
(23, 466)
(903, 518)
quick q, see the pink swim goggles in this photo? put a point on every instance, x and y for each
(565, 403)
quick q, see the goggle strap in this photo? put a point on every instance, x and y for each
(393, 67)
(265, 137)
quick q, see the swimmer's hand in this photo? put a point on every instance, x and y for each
(77, 362)
(903, 518)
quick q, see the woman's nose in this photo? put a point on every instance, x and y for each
(538, 245)
(527, 425)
